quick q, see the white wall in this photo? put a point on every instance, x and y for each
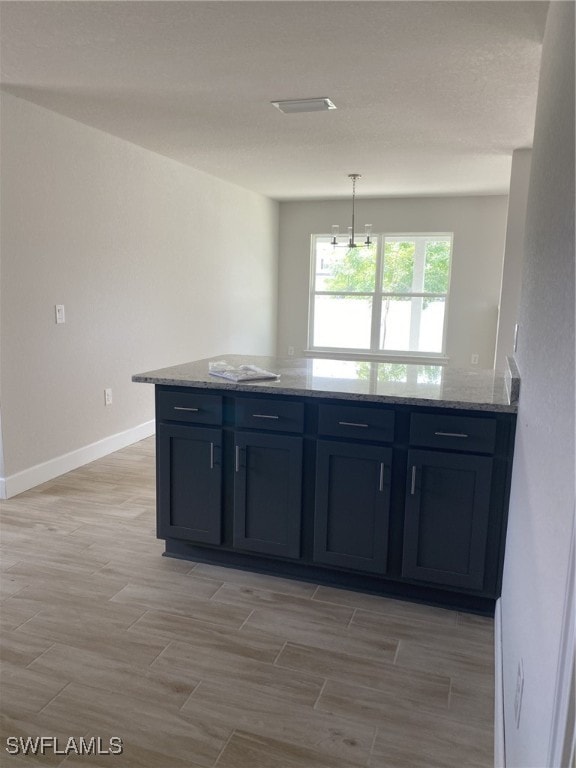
(479, 226)
(542, 495)
(513, 256)
(155, 263)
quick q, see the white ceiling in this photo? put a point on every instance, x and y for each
(432, 96)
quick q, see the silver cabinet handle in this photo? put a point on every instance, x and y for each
(381, 483)
(413, 485)
(211, 455)
(182, 408)
(352, 424)
(237, 458)
(263, 416)
(451, 434)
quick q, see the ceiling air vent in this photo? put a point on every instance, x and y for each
(304, 105)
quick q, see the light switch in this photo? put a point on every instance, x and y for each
(60, 314)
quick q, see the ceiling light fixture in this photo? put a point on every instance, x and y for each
(367, 227)
(290, 106)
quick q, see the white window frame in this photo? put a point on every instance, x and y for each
(378, 295)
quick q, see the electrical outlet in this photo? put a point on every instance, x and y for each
(60, 313)
(519, 692)
(107, 397)
(290, 351)
(474, 359)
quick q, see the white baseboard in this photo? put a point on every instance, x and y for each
(499, 740)
(22, 481)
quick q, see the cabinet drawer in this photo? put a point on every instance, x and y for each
(354, 421)
(189, 406)
(272, 415)
(462, 433)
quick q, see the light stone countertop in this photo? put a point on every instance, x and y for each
(401, 383)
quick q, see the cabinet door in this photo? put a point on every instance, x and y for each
(189, 483)
(447, 510)
(352, 505)
(268, 493)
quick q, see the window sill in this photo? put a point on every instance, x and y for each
(375, 357)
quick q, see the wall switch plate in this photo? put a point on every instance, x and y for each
(519, 692)
(107, 397)
(60, 313)
(290, 351)
(474, 359)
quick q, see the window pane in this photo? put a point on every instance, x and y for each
(432, 325)
(342, 321)
(437, 266)
(395, 323)
(348, 270)
(398, 271)
(412, 324)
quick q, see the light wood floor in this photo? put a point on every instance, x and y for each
(197, 665)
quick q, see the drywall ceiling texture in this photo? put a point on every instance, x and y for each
(155, 263)
(542, 495)
(479, 227)
(432, 97)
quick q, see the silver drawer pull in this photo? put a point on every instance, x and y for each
(381, 483)
(413, 485)
(352, 424)
(451, 434)
(211, 455)
(237, 458)
(263, 416)
(182, 408)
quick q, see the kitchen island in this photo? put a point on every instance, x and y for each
(392, 478)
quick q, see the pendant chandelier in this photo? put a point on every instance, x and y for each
(351, 234)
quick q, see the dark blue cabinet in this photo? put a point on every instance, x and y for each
(446, 520)
(268, 493)
(189, 483)
(352, 505)
(400, 500)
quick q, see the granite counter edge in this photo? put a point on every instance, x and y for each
(350, 396)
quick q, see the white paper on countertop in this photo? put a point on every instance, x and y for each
(240, 373)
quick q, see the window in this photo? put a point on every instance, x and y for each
(389, 298)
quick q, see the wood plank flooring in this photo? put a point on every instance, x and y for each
(198, 665)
